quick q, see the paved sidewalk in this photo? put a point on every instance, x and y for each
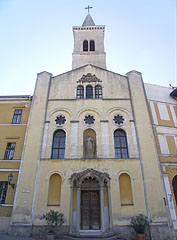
(4, 236)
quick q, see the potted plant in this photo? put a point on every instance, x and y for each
(53, 218)
(139, 224)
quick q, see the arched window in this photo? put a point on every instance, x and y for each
(125, 189)
(54, 189)
(98, 91)
(89, 91)
(80, 92)
(92, 45)
(174, 183)
(120, 144)
(58, 146)
(85, 45)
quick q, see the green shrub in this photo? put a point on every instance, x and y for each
(139, 223)
(53, 218)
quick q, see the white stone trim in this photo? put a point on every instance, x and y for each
(169, 197)
(6, 205)
(153, 112)
(105, 140)
(135, 144)
(163, 111)
(44, 141)
(9, 161)
(173, 115)
(74, 138)
(89, 109)
(166, 130)
(118, 109)
(9, 170)
(163, 144)
(57, 110)
(13, 124)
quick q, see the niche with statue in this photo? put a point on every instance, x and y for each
(89, 144)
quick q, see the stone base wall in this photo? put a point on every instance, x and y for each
(155, 232)
(160, 232)
(4, 223)
(35, 230)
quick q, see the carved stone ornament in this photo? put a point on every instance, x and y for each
(88, 78)
(89, 119)
(80, 177)
(118, 120)
(60, 120)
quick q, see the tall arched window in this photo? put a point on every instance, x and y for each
(58, 146)
(85, 45)
(89, 91)
(125, 189)
(120, 144)
(92, 45)
(98, 91)
(174, 183)
(80, 92)
(54, 193)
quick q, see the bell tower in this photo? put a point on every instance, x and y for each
(88, 44)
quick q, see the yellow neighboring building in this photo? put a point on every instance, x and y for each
(163, 108)
(14, 112)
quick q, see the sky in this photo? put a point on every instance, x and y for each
(36, 36)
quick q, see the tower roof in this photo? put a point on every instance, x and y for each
(88, 21)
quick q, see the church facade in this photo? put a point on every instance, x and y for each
(90, 150)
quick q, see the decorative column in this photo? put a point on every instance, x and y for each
(110, 206)
(74, 139)
(71, 208)
(78, 206)
(105, 139)
(102, 206)
(44, 143)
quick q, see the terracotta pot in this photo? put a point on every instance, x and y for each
(50, 236)
(140, 236)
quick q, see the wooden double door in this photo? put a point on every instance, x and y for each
(90, 210)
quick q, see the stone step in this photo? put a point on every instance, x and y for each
(91, 238)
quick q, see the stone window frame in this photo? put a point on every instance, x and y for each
(89, 93)
(80, 92)
(99, 94)
(121, 148)
(59, 147)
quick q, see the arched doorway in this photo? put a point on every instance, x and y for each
(90, 202)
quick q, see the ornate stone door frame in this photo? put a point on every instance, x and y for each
(77, 179)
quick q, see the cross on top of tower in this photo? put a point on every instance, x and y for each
(88, 8)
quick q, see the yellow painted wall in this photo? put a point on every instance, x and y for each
(11, 133)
